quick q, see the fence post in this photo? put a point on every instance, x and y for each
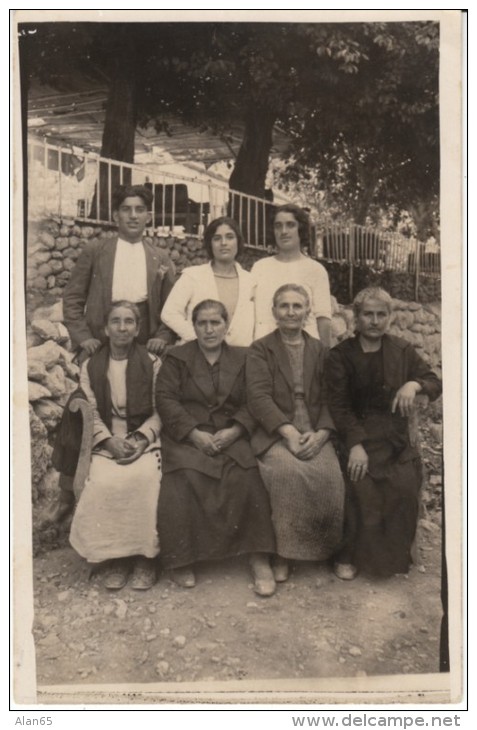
(351, 260)
(418, 266)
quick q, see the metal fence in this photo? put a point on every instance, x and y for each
(70, 182)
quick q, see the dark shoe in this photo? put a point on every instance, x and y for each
(345, 571)
(183, 577)
(281, 569)
(144, 574)
(115, 576)
(264, 582)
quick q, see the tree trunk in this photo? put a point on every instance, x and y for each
(119, 126)
(368, 181)
(249, 175)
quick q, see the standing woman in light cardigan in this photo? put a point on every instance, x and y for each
(221, 279)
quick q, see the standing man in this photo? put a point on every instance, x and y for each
(114, 269)
(123, 268)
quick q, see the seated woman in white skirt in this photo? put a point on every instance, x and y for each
(115, 519)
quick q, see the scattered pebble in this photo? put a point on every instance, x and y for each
(165, 632)
(147, 625)
(162, 668)
(211, 624)
(63, 596)
(122, 609)
(152, 609)
(354, 651)
(399, 614)
(180, 641)
(421, 569)
(342, 660)
(252, 604)
(151, 637)
(424, 630)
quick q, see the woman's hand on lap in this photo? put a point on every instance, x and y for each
(139, 444)
(226, 436)
(119, 448)
(357, 463)
(204, 441)
(291, 437)
(312, 442)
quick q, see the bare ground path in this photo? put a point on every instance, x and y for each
(314, 626)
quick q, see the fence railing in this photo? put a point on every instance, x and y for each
(380, 250)
(71, 182)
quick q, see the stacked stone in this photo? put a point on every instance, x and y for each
(188, 251)
(420, 324)
(52, 377)
(53, 248)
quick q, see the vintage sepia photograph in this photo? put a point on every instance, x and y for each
(237, 353)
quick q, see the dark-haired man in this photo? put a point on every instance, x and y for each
(113, 269)
(123, 268)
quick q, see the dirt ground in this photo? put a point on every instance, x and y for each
(314, 626)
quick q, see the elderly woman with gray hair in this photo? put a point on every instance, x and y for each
(296, 458)
(373, 379)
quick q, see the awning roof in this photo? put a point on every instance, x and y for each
(77, 118)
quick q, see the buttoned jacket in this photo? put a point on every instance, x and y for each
(270, 388)
(186, 399)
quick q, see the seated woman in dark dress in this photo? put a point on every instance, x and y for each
(213, 503)
(373, 379)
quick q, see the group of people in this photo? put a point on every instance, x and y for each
(224, 425)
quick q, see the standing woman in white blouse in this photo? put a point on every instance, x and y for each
(222, 279)
(291, 227)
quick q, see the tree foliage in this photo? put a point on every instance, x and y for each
(359, 101)
(378, 144)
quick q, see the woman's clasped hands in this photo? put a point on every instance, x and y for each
(304, 445)
(214, 443)
(126, 450)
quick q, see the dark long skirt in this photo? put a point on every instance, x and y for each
(203, 518)
(381, 513)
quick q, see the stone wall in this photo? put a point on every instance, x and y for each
(53, 248)
(55, 244)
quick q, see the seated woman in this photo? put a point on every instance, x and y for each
(373, 379)
(296, 459)
(222, 279)
(213, 503)
(116, 513)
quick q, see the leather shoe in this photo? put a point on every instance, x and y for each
(345, 571)
(116, 575)
(144, 574)
(184, 577)
(264, 582)
(280, 569)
